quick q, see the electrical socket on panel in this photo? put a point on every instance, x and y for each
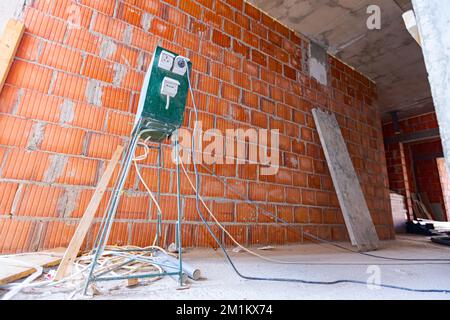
(166, 60)
(180, 65)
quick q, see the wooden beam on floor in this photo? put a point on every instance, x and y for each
(9, 43)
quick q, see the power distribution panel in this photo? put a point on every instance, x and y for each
(163, 97)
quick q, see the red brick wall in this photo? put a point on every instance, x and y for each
(427, 173)
(71, 96)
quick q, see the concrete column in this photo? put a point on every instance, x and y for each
(433, 20)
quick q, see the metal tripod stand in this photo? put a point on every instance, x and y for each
(106, 225)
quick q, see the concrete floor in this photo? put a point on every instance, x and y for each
(222, 283)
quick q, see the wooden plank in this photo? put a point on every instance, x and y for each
(351, 199)
(88, 217)
(11, 271)
(9, 43)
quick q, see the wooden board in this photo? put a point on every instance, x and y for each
(9, 42)
(351, 199)
(88, 216)
(11, 271)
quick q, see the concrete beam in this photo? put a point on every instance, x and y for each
(434, 25)
(413, 137)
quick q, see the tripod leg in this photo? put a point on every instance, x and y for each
(105, 230)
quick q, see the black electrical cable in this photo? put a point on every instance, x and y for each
(197, 205)
(318, 239)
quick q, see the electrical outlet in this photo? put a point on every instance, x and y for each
(166, 60)
(180, 65)
(169, 87)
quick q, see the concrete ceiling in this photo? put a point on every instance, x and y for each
(389, 56)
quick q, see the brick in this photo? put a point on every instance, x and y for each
(15, 236)
(132, 81)
(232, 60)
(257, 192)
(223, 9)
(178, 18)
(276, 235)
(57, 234)
(250, 99)
(259, 119)
(221, 39)
(28, 48)
(250, 39)
(290, 72)
(69, 86)
(221, 72)
(7, 194)
(99, 69)
(113, 28)
(260, 87)
(208, 84)
(276, 194)
(241, 49)
(14, 131)
(238, 232)
(211, 187)
(245, 212)
(275, 38)
(39, 106)
(212, 19)
(104, 6)
(252, 11)
(129, 14)
(44, 26)
(150, 176)
(46, 206)
(120, 124)
(241, 80)
(79, 171)
(188, 40)
(88, 117)
(232, 29)
(26, 165)
(259, 58)
(162, 29)
(133, 206)
(230, 92)
(29, 76)
(259, 29)
(116, 98)
(143, 234)
(191, 8)
(62, 140)
(61, 58)
(83, 40)
(9, 97)
(78, 16)
(211, 51)
(242, 20)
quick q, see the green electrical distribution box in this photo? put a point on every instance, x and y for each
(163, 97)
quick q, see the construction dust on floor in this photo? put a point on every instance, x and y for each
(321, 263)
